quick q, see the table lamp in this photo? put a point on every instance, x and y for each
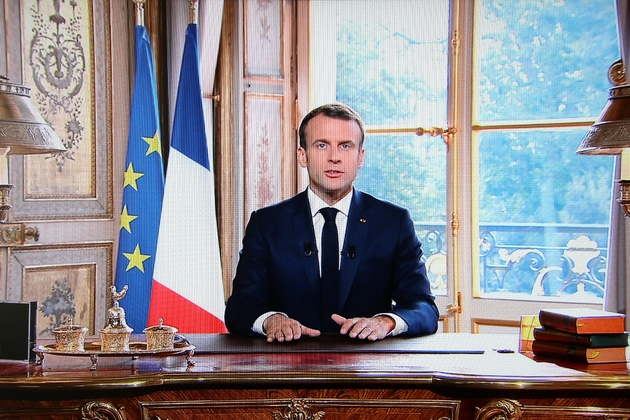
(23, 131)
(610, 135)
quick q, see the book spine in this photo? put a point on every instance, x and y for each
(579, 353)
(563, 351)
(587, 340)
(582, 325)
(558, 321)
(561, 337)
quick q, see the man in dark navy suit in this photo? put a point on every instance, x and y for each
(371, 285)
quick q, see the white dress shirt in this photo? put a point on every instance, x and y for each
(341, 220)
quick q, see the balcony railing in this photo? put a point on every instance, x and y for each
(531, 261)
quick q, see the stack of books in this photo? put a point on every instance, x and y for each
(581, 334)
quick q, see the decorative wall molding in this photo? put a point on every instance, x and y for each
(66, 56)
(263, 162)
(67, 281)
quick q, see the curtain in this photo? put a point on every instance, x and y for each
(617, 296)
(209, 22)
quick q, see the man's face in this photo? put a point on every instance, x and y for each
(333, 156)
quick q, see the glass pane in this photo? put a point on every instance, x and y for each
(543, 215)
(392, 60)
(543, 60)
(409, 170)
(389, 61)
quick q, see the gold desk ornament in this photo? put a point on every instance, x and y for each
(70, 337)
(115, 335)
(161, 340)
(160, 337)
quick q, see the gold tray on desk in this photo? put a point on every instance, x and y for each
(136, 349)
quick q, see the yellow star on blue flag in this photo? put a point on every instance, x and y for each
(136, 259)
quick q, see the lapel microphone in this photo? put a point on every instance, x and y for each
(351, 251)
(308, 249)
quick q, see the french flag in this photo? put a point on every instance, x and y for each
(187, 290)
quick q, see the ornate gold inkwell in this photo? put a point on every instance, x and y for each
(115, 339)
(160, 337)
(70, 337)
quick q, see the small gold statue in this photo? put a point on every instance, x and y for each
(115, 335)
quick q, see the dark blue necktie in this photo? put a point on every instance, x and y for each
(330, 269)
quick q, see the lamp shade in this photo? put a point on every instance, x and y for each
(611, 133)
(22, 128)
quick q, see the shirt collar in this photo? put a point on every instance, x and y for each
(317, 203)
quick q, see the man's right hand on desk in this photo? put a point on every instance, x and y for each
(281, 328)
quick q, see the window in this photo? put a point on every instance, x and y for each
(539, 223)
(391, 65)
(540, 82)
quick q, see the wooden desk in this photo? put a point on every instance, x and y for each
(330, 377)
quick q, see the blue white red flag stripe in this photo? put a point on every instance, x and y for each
(188, 289)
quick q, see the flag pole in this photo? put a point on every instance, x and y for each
(192, 11)
(139, 12)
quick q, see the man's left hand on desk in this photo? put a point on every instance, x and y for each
(371, 329)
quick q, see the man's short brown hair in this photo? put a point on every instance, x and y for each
(334, 110)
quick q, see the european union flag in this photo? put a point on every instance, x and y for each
(143, 190)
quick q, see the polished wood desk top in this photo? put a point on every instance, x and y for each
(456, 361)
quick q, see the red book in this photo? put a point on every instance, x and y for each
(586, 340)
(583, 320)
(579, 353)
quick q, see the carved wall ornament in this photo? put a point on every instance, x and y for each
(58, 62)
(263, 167)
(67, 63)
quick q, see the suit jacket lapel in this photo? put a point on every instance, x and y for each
(302, 224)
(353, 248)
